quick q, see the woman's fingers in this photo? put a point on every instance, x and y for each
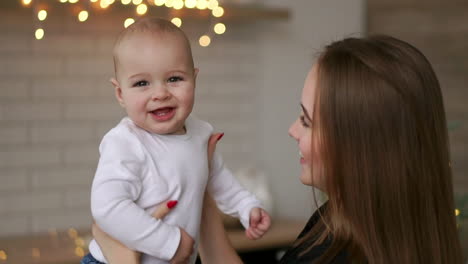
(212, 144)
(163, 209)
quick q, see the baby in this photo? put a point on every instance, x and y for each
(159, 152)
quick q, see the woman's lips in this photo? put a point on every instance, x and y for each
(163, 114)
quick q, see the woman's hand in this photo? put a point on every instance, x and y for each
(214, 244)
(212, 146)
(116, 252)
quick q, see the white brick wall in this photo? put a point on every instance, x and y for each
(14, 180)
(56, 102)
(29, 157)
(30, 111)
(15, 225)
(12, 134)
(13, 88)
(61, 177)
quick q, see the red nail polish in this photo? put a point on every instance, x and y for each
(171, 204)
(220, 136)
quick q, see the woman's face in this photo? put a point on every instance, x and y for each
(307, 138)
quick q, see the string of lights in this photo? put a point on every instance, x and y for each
(84, 9)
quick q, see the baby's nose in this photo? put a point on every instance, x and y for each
(160, 93)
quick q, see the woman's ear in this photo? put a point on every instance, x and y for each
(118, 91)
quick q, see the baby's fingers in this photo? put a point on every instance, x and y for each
(265, 223)
(253, 233)
(255, 217)
(163, 209)
(250, 235)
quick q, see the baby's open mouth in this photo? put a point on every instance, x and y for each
(163, 111)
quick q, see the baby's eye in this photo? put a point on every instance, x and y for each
(141, 83)
(175, 79)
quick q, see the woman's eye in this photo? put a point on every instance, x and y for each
(303, 121)
(175, 79)
(141, 83)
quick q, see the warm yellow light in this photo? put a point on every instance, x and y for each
(137, 2)
(202, 4)
(109, 2)
(39, 34)
(72, 233)
(178, 4)
(457, 212)
(212, 4)
(126, 2)
(177, 21)
(42, 15)
(79, 252)
(128, 22)
(73, 1)
(219, 28)
(93, 1)
(63, 1)
(27, 2)
(36, 253)
(142, 9)
(204, 41)
(169, 3)
(79, 242)
(190, 3)
(218, 12)
(83, 16)
(159, 2)
(103, 4)
(3, 255)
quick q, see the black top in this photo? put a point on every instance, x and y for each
(292, 255)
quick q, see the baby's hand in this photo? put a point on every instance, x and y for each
(259, 223)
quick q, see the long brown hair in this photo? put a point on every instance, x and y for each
(385, 153)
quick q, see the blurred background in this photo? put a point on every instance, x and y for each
(56, 102)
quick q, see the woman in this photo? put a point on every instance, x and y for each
(372, 135)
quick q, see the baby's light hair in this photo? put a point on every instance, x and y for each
(150, 25)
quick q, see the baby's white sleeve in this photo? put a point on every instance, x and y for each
(231, 197)
(116, 187)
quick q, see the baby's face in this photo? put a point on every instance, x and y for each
(156, 81)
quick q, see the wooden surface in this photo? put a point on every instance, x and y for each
(282, 234)
(64, 247)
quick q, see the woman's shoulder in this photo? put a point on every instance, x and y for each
(302, 254)
(313, 220)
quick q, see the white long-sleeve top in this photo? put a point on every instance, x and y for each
(138, 170)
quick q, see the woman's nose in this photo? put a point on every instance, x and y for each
(292, 130)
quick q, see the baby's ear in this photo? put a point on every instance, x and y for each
(118, 91)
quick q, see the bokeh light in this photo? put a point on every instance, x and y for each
(176, 21)
(204, 41)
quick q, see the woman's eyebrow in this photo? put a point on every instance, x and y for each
(305, 112)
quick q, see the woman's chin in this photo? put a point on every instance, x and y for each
(306, 179)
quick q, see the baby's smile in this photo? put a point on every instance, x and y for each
(164, 113)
